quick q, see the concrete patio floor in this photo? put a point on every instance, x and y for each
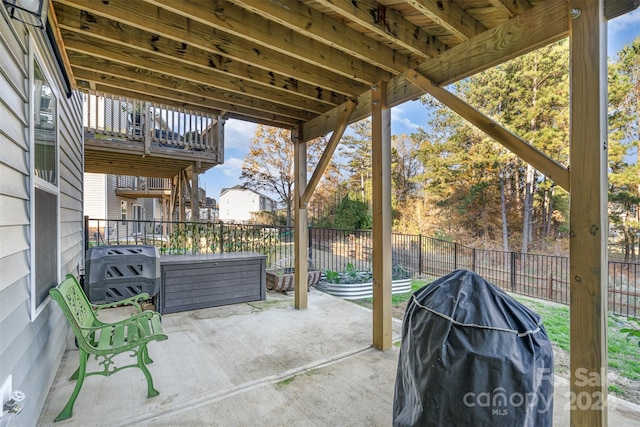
(260, 363)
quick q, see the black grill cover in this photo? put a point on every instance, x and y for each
(472, 355)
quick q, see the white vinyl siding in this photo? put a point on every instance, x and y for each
(237, 204)
(95, 195)
(32, 348)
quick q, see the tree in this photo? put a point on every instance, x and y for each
(356, 148)
(405, 168)
(460, 170)
(406, 187)
(353, 214)
(624, 136)
(529, 96)
(269, 164)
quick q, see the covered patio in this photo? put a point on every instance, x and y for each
(261, 363)
(315, 67)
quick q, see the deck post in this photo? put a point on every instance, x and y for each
(301, 229)
(381, 168)
(195, 194)
(182, 190)
(588, 213)
(146, 127)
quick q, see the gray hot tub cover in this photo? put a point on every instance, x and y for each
(472, 355)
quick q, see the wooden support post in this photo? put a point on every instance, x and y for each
(381, 165)
(175, 191)
(301, 230)
(146, 127)
(184, 187)
(588, 214)
(218, 141)
(195, 194)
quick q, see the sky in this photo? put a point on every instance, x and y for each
(405, 118)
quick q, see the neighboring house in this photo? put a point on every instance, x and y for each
(41, 170)
(112, 196)
(237, 203)
(116, 197)
(210, 211)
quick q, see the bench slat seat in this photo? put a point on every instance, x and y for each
(106, 340)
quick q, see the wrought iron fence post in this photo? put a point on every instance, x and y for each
(310, 243)
(473, 259)
(420, 254)
(513, 271)
(221, 237)
(455, 256)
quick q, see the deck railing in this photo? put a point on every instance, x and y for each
(536, 275)
(141, 183)
(128, 119)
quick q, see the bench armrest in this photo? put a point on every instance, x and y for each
(134, 300)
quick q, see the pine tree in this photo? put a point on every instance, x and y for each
(624, 136)
(529, 96)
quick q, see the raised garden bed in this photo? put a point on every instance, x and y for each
(280, 281)
(353, 284)
(361, 290)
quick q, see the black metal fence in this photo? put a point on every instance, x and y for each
(539, 276)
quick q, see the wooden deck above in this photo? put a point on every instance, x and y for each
(121, 157)
(125, 136)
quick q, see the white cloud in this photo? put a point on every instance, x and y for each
(626, 21)
(399, 116)
(238, 134)
(231, 167)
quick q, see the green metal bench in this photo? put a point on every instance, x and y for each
(106, 340)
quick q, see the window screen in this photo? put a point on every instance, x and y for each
(46, 247)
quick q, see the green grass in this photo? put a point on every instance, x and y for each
(396, 299)
(617, 390)
(285, 382)
(623, 353)
(554, 316)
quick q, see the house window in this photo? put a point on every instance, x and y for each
(137, 216)
(45, 135)
(45, 190)
(46, 247)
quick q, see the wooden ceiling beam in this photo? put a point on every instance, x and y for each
(53, 21)
(187, 93)
(449, 16)
(122, 161)
(388, 23)
(145, 46)
(534, 28)
(317, 26)
(255, 116)
(510, 8)
(225, 52)
(615, 8)
(242, 89)
(240, 23)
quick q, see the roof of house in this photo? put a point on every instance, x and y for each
(241, 187)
